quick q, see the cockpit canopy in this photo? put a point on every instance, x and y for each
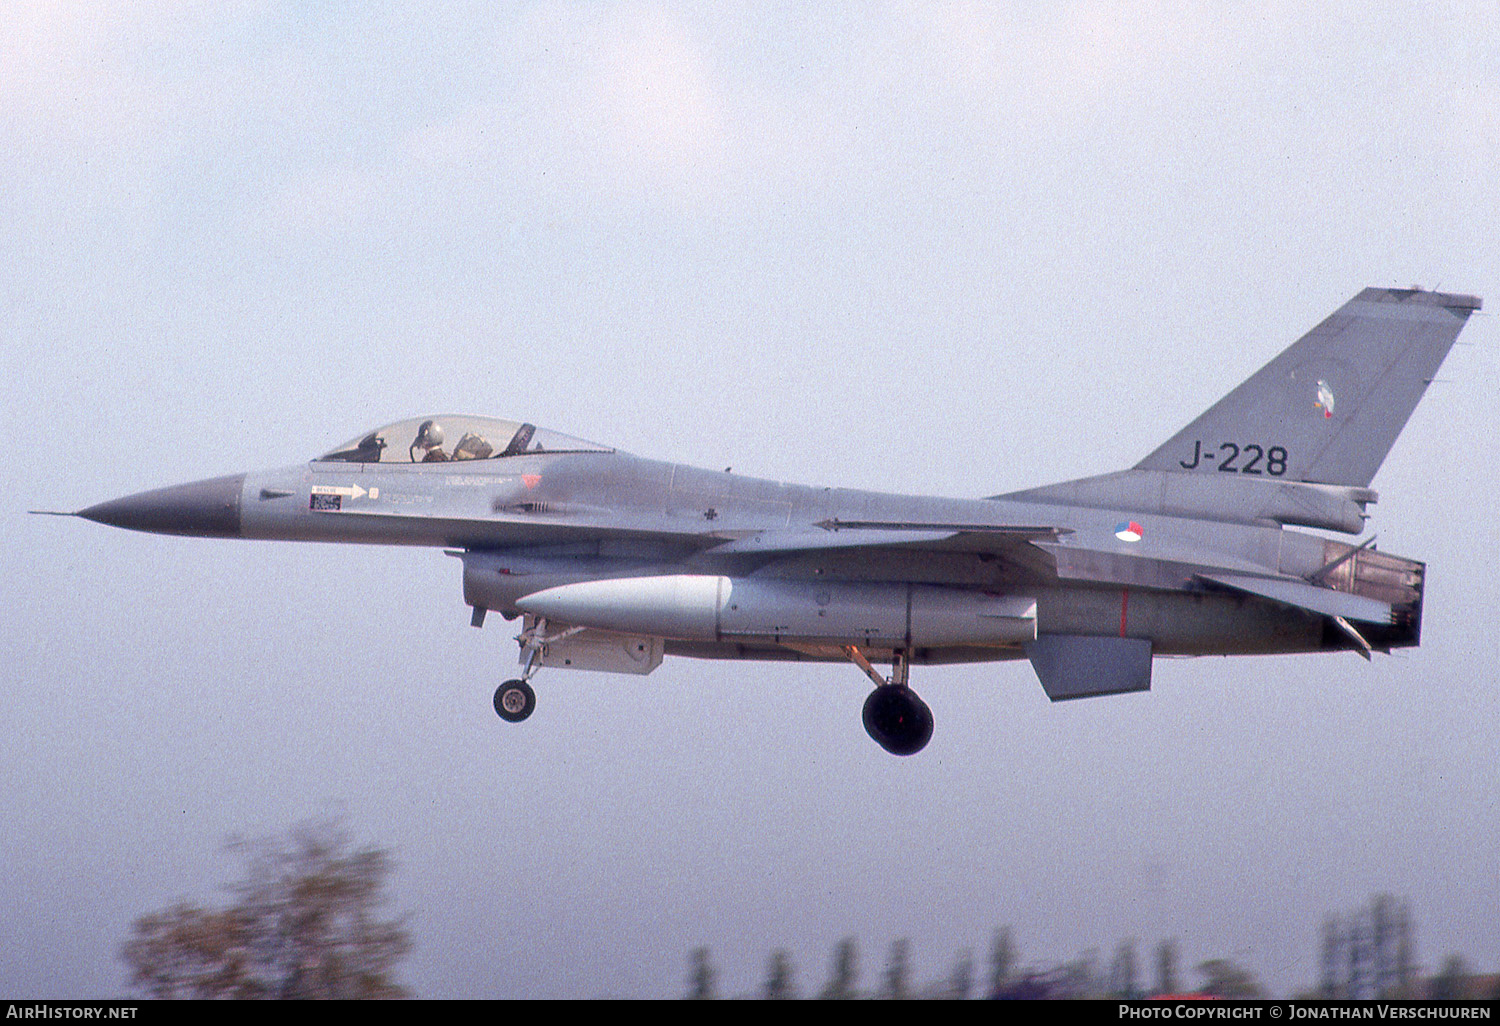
(452, 438)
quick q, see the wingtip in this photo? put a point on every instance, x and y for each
(1456, 301)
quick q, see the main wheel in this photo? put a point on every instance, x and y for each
(898, 720)
(514, 701)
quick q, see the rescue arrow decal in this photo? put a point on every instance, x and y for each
(351, 491)
(330, 498)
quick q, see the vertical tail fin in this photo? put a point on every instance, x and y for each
(1329, 408)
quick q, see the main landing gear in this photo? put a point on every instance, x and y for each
(895, 717)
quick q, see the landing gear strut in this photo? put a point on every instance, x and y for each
(514, 700)
(895, 717)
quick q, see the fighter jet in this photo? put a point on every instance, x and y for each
(610, 562)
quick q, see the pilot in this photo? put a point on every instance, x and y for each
(472, 447)
(430, 438)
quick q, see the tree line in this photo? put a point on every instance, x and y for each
(1087, 976)
(308, 921)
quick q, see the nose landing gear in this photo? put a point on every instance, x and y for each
(514, 700)
(894, 716)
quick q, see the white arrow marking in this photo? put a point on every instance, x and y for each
(352, 491)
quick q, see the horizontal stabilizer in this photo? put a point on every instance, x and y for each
(1308, 596)
(1078, 666)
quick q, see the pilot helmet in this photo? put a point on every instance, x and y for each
(429, 435)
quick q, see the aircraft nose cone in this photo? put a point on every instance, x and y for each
(206, 509)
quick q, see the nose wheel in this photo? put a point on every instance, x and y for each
(514, 701)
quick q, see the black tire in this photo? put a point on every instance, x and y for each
(514, 701)
(898, 720)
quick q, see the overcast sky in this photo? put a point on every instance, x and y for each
(930, 247)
